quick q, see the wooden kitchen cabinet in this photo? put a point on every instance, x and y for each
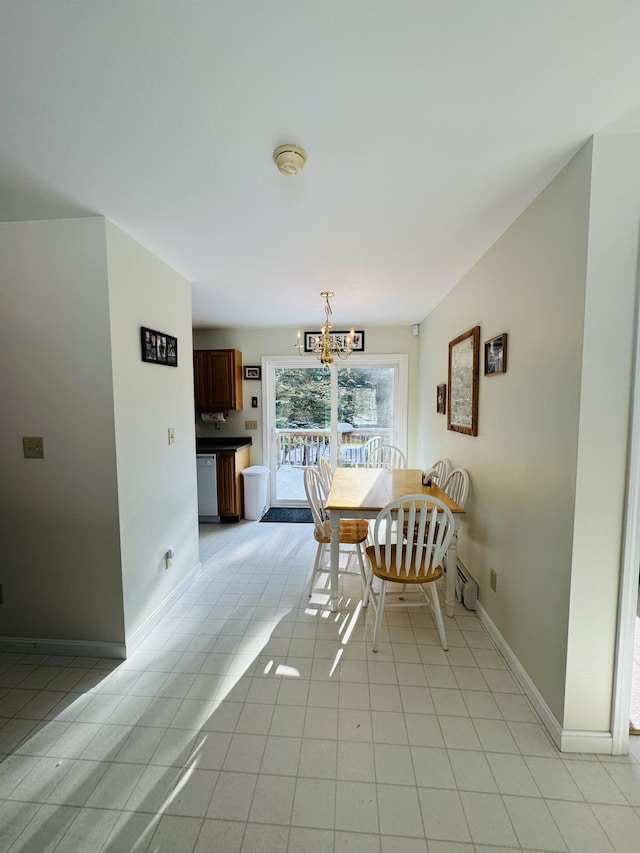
(229, 465)
(217, 379)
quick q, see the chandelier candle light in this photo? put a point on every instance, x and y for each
(323, 345)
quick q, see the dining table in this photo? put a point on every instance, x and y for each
(363, 492)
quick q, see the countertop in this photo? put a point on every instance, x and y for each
(211, 445)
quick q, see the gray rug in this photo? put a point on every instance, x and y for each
(288, 514)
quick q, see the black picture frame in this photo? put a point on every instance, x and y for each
(337, 337)
(495, 355)
(158, 347)
(251, 371)
(441, 398)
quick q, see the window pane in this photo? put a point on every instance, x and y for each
(365, 397)
(303, 398)
(365, 411)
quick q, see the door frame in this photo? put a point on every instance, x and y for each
(628, 594)
(398, 361)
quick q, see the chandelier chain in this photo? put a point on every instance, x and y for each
(324, 345)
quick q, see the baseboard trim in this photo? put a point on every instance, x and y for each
(579, 741)
(148, 625)
(566, 740)
(97, 649)
(74, 648)
(547, 718)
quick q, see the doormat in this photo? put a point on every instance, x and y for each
(289, 514)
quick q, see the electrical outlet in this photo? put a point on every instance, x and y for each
(251, 424)
(33, 447)
(493, 579)
(171, 436)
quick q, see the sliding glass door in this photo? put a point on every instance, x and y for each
(312, 411)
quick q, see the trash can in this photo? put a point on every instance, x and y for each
(255, 491)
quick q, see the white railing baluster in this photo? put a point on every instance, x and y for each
(302, 447)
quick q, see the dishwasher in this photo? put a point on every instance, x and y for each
(207, 487)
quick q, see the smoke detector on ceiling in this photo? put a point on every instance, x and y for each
(290, 159)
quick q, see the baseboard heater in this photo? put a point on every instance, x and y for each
(466, 588)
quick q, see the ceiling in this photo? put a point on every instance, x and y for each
(429, 126)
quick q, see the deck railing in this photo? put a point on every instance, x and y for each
(302, 447)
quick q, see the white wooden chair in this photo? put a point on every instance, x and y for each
(386, 456)
(440, 471)
(353, 533)
(369, 445)
(414, 564)
(326, 472)
(457, 486)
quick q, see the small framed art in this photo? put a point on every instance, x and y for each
(495, 355)
(252, 371)
(158, 347)
(441, 399)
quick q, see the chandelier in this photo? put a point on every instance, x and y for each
(325, 344)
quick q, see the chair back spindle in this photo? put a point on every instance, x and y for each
(386, 456)
(456, 486)
(442, 469)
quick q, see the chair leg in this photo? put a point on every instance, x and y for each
(435, 603)
(363, 573)
(376, 630)
(367, 592)
(316, 566)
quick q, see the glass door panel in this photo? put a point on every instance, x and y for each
(365, 411)
(302, 427)
(313, 412)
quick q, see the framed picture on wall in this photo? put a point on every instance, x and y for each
(441, 399)
(158, 347)
(464, 360)
(495, 355)
(337, 338)
(252, 372)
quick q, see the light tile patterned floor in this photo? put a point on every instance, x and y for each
(253, 719)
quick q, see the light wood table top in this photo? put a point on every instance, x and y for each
(370, 489)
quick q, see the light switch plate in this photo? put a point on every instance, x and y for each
(251, 424)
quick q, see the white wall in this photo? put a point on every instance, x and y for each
(254, 343)
(549, 464)
(614, 228)
(84, 529)
(60, 534)
(522, 464)
(156, 481)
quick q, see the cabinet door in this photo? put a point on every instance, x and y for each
(218, 379)
(201, 379)
(226, 471)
